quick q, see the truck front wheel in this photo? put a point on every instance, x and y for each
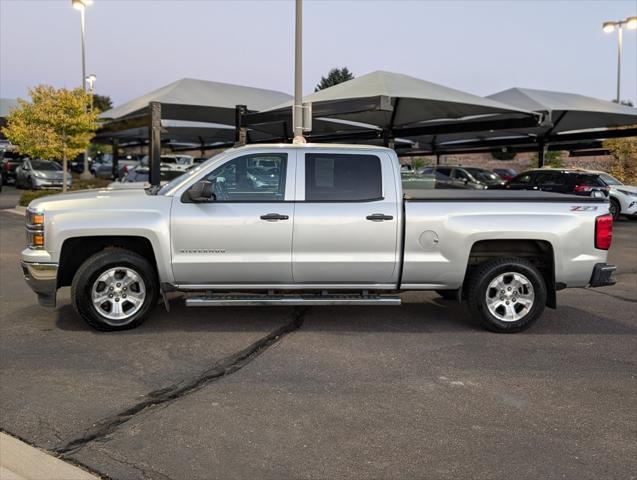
(507, 294)
(115, 289)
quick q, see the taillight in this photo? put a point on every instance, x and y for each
(125, 168)
(582, 188)
(603, 231)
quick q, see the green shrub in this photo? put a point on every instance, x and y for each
(30, 195)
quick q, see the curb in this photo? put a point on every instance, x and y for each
(16, 210)
(20, 461)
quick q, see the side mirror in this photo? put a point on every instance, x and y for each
(201, 192)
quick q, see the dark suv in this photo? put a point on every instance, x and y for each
(557, 180)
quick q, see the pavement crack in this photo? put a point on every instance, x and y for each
(225, 367)
(146, 472)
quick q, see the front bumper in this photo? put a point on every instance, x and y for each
(603, 275)
(42, 278)
(50, 182)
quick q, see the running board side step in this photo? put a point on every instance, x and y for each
(264, 300)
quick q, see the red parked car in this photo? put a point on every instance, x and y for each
(506, 174)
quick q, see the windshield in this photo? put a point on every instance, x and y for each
(45, 165)
(184, 160)
(190, 173)
(484, 175)
(609, 179)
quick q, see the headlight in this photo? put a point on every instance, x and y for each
(35, 229)
(626, 192)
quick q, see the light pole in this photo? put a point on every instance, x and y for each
(81, 6)
(91, 83)
(609, 27)
(297, 109)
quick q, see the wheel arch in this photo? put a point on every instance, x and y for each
(76, 250)
(540, 253)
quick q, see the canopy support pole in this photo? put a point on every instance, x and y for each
(154, 143)
(540, 153)
(240, 132)
(115, 154)
(437, 159)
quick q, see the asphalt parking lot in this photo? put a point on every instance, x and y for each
(417, 391)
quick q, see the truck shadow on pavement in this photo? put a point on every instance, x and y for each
(434, 316)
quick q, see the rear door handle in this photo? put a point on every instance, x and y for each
(379, 217)
(274, 216)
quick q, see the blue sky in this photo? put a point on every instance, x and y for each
(481, 47)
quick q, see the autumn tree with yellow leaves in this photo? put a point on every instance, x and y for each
(56, 124)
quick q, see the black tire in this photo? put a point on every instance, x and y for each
(448, 294)
(32, 184)
(479, 284)
(615, 209)
(95, 266)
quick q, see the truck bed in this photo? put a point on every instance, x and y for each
(458, 195)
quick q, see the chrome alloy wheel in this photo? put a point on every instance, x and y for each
(118, 294)
(510, 297)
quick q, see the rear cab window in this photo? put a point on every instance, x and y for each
(331, 177)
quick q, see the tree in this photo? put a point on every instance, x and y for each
(102, 102)
(334, 77)
(624, 152)
(56, 124)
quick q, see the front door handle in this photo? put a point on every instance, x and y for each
(379, 217)
(274, 217)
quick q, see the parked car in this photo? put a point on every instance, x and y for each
(560, 180)
(141, 174)
(505, 174)
(468, 177)
(105, 169)
(623, 198)
(428, 179)
(35, 174)
(336, 220)
(11, 160)
(77, 164)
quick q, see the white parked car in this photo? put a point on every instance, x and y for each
(34, 174)
(623, 198)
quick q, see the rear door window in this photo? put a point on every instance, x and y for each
(342, 177)
(588, 180)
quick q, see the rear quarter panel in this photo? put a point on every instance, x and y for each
(459, 225)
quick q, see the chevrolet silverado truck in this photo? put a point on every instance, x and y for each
(312, 225)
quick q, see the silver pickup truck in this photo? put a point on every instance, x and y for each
(312, 225)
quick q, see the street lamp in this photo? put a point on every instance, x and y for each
(91, 82)
(609, 27)
(81, 6)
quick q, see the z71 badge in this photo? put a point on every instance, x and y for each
(583, 208)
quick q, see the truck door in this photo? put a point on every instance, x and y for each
(244, 237)
(346, 221)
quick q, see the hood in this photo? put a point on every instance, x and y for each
(50, 174)
(626, 188)
(79, 199)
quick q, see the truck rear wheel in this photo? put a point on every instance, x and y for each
(115, 289)
(507, 294)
